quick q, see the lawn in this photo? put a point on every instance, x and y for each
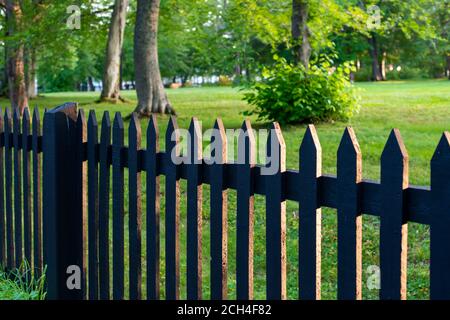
(420, 109)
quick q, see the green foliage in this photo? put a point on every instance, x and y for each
(22, 284)
(291, 94)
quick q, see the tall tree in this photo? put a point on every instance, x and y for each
(152, 97)
(15, 55)
(301, 32)
(111, 76)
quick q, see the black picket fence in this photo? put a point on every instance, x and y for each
(79, 170)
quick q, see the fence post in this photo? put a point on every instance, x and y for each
(62, 218)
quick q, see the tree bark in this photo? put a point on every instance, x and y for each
(448, 66)
(301, 32)
(149, 86)
(383, 66)
(15, 54)
(374, 55)
(111, 76)
(91, 86)
(30, 75)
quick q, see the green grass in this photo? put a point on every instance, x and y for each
(21, 285)
(420, 109)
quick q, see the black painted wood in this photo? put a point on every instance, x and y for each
(135, 219)
(63, 222)
(153, 211)
(18, 218)
(103, 210)
(245, 212)
(218, 214)
(80, 193)
(310, 216)
(393, 224)
(92, 206)
(349, 174)
(440, 226)
(194, 212)
(27, 233)
(2, 197)
(172, 213)
(37, 192)
(118, 208)
(275, 216)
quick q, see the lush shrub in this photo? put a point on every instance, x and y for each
(291, 94)
(225, 81)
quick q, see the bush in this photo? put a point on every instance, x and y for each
(225, 81)
(291, 94)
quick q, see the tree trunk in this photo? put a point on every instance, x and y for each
(301, 32)
(30, 75)
(149, 86)
(15, 54)
(383, 66)
(373, 51)
(91, 86)
(111, 76)
(448, 66)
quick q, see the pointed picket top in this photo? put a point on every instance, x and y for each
(172, 137)
(134, 130)
(1, 120)
(195, 132)
(26, 122)
(153, 131)
(16, 118)
(395, 147)
(311, 150)
(279, 145)
(118, 121)
(81, 118)
(92, 121)
(219, 138)
(106, 122)
(441, 156)
(36, 119)
(247, 144)
(349, 144)
(8, 116)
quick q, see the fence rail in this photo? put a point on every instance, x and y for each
(83, 172)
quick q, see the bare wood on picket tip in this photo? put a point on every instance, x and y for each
(349, 175)
(393, 224)
(276, 217)
(440, 224)
(310, 217)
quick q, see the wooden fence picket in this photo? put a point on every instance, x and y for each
(218, 214)
(2, 195)
(37, 192)
(194, 212)
(118, 208)
(275, 217)
(172, 212)
(310, 217)
(393, 223)
(103, 210)
(153, 211)
(26, 148)
(440, 223)
(10, 262)
(245, 212)
(134, 202)
(92, 141)
(18, 219)
(349, 175)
